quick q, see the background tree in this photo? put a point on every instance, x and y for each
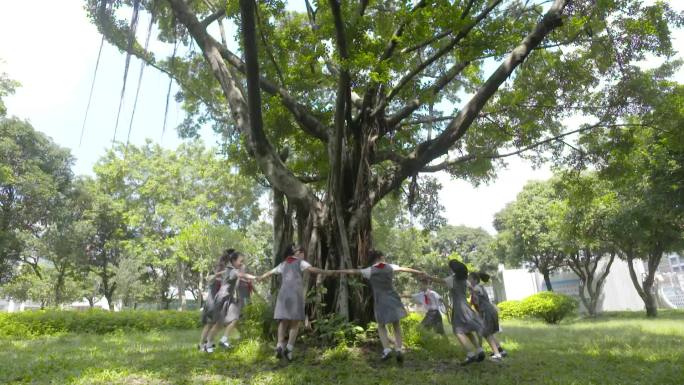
(160, 193)
(529, 232)
(587, 217)
(35, 174)
(474, 245)
(108, 235)
(644, 164)
(7, 87)
(26, 285)
(345, 89)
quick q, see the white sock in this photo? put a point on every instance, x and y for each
(386, 351)
(224, 339)
(280, 345)
(290, 348)
(471, 354)
(480, 350)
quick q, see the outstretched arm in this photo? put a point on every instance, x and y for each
(410, 270)
(248, 277)
(265, 275)
(315, 270)
(439, 280)
(347, 271)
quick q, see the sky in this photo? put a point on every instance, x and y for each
(54, 56)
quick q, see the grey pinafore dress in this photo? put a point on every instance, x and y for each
(230, 305)
(290, 301)
(487, 311)
(463, 318)
(209, 307)
(386, 302)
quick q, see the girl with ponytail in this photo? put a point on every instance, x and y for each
(488, 312)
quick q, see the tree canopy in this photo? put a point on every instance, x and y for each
(363, 97)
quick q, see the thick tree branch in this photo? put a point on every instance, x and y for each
(437, 55)
(343, 103)
(427, 42)
(439, 84)
(470, 157)
(429, 150)
(266, 157)
(213, 17)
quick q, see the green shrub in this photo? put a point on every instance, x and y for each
(335, 330)
(257, 320)
(511, 309)
(549, 306)
(48, 322)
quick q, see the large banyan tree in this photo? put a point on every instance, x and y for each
(337, 104)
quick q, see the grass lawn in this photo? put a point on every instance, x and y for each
(611, 350)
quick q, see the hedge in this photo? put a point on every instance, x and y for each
(48, 322)
(548, 306)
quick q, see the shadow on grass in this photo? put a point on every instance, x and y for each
(596, 352)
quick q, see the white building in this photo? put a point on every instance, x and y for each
(618, 292)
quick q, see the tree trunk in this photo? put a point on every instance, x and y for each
(110, 300)
(59, 285)
(649, 295)
(645, 288)
(181, 285)
(547, 279)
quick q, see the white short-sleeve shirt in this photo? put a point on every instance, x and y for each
(433, 301)
(366, 273)
(279, 269)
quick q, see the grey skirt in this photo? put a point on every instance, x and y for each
(289, 306)
(228, 311)
(465, 320)
(208, 315)
(433, 321)
(490, 320)
(388, 307)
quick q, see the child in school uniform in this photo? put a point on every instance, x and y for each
(431, 301)
(289, 307)
(387, 304)
(244, 292)
(488, 312)
(227, 303)
(210, 312)
(465, 322)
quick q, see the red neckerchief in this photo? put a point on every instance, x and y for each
(380, 265)
(290, 259)
(427, 298)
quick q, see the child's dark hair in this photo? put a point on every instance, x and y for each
(234, 256)
(374, 255)
(459, 269)
(292, 250)
(479, 276)
(223, 260)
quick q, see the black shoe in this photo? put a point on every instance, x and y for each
(386, 356)
(503, 353)
(400, 357)
(481, 356)
(289, 355)
(469, 360)
(279, 352)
